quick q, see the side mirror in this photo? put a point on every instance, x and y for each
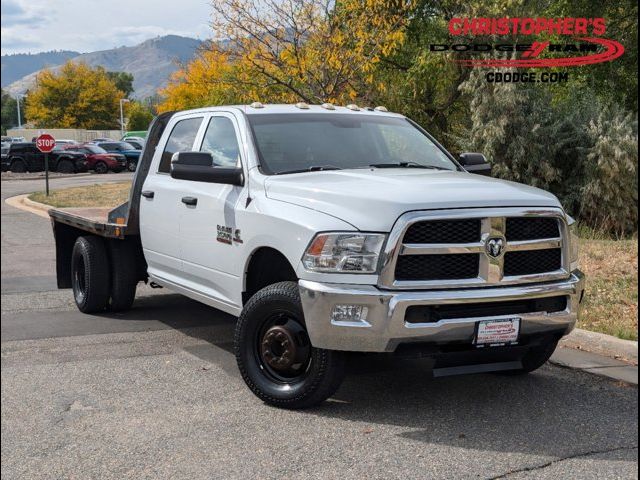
(475, 163)
(198, 167)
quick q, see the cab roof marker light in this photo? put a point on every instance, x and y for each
(353, 106)
(381, 108)
(256, 105)
(302, 106)
(328, 106)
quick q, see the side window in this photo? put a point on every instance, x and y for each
(181, 140)
(221, 142)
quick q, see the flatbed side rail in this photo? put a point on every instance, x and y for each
(96, 227)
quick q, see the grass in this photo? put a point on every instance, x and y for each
(611, 301)
(103, 195)
(611, 266)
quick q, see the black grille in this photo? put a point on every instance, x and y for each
(532, 261)
(437, 267)
(444, 231)
(531, 228)
(434, 313)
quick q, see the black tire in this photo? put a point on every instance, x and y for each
(132, 165)
(65, 166)
(18, 166)
(90, 274)
(124, 278)
(535, 358)
(101, 167)
(316, 381)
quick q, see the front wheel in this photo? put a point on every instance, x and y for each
(131, 166)
(274, 354)
(535, 358)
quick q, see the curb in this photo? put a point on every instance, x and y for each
(601, 344)
(74, 175)
(595, 364)
(21, 202)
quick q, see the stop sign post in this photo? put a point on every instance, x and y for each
(45, 143)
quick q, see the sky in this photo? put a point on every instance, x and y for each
(88, 25)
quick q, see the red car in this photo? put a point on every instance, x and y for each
(98, 159)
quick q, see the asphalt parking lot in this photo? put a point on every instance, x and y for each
(154, 393)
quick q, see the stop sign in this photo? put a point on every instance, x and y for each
(45, 143)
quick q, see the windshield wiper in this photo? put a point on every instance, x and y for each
(406, 165)
(313, 168)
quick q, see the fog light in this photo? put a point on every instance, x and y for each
(350, 315)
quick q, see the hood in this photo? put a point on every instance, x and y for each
(373, 199)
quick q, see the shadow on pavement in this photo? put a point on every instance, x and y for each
(553, 411)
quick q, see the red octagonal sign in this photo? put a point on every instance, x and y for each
(45, 143)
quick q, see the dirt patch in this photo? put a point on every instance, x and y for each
(103, 195)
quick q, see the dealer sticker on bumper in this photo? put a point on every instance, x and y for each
(503, 331)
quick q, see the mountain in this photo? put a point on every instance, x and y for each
(17, 66)
(152, 62)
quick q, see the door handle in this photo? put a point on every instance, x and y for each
(147, 194)
(190, 200)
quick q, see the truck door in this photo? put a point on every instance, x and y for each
(210, 229)
(161, 203)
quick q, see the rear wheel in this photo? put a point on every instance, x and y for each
(274, 354)
(101, 167)
(131, 165)
(90, 274)
(124, 275)
(18, 166)
(65, 166)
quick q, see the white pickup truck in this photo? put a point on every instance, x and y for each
(328, 230)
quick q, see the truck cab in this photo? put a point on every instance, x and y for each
(329, 230)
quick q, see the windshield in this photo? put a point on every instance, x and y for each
(94, 149)
(298, 142)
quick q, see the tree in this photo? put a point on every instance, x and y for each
(283, 51)
(123, 82)
(139, 116)
(9, 112)
(610, 193)
(77, 96)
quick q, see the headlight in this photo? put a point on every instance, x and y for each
(574, 244)
(344, 253)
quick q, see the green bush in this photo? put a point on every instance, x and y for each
(583, 152)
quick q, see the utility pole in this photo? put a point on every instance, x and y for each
(18, 97)
(122, 102)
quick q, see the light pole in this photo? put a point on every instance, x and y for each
(122, 102)
(18, 97)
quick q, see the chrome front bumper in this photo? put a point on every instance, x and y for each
(385, 328)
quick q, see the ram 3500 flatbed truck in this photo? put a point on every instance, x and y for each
(328, 230)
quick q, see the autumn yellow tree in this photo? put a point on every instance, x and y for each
(75, 96)
(286, 51)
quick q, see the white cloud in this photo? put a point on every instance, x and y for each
(88, 25)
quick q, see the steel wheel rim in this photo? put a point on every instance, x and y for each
(282, 349)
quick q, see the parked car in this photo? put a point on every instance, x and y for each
(328, 230)
(25, 157)
(98, 159)
(4, 158)
(102, 139)
(61, 142)
(131, 153)
(137, 144)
